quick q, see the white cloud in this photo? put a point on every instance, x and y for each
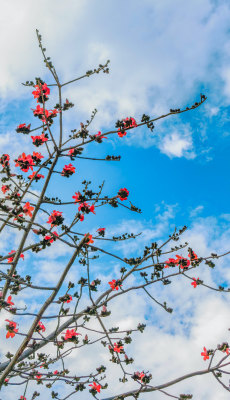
(177, 145)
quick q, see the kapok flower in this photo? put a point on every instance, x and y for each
(86, 208)
(123, 194)
(9, 301)
(40, 327)
(115, 284)
(37, 157)
(140, 375)
(69, 298)
(5, 188)
(128, 123)
(96, 387)
(50, 238)
(10, 259)
(27, 208)
(194, 283)
(77, 197)
(24, 162)
(90, 240)
(117, 348)
(39, 140)
(37, 176)
(101, 232)
(56, 372)
(38, 376)
(23, 128)
(45, 117)
(70, 334)
(22, 398)
(41, 93)
(55, 218)
(4, 160)
(192, 256)
(99, 137)
(68, 170)
(11, 329)
(205, 354)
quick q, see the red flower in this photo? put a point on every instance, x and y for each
(38, 376)
(69, 299)
(41, 327)
(68, 170)
(181, 261)
(86, 208)
(77, 197)
(4, 160)
(128, 123)
(117, 348)
(5, 188)
(90, 240)
(25, 162)
(123, 194)
(194, 284)
(37, 176)
(23, 128)
(9, 301)
(56, 372)
(115, 284)
(41, 89)
(99, 137)
(140, 375)
(39, 140)
(70, 334)
(27, 208)
(22, 398)
(81, 217)
(55, 218)
(121, 134)
(49, 114)
(37, 157)
(205, 354)
(10, 259)
(192, 256)
(101, 230)
(11, 328)
(50, 238)
(96, 387)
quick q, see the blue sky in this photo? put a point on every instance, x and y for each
(163, 55)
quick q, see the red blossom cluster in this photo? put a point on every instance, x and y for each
(123, 194)
(41, 93)
(11, 329)
(68, 170)
(11, 258)
(55, 218)
(39, 140)
(128, 123)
